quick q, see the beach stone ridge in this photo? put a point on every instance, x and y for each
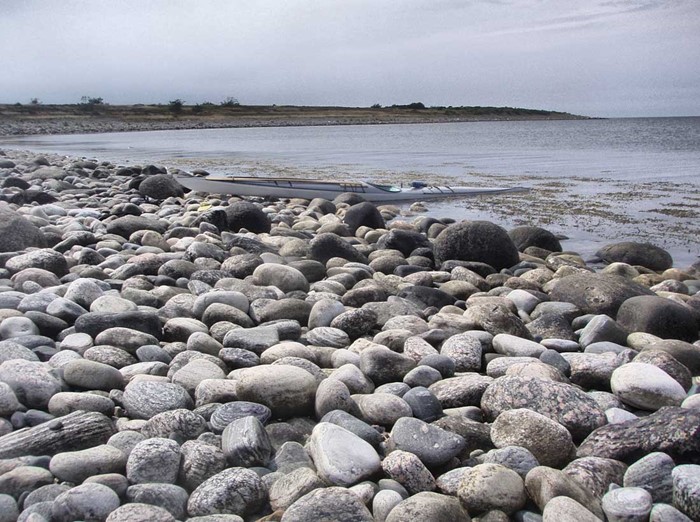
(191, 356)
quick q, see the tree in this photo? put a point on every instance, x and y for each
(230, 102)
(35, 101)
(176, 106)
(87, 100)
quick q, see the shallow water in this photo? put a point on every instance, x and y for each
(594, 181)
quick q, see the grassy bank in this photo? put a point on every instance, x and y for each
(99, 117)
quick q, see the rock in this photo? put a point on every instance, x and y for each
(287, 390)
(341, 457)
(93, 323)
(246, 443)
(544, 483)
(199, 462)
(17, 232)
(645, 386)
(496, 319)
(286, 278)
(602, 328)
(433, 445)
(466, 390)
(407, 469)
(429, 506)
(91, 375)
(671, 430)
(517, 458)
(383, 502)
(363, 214)
(84, 502)
(246, 215)
(546, 439)
(333, 503)
(33, 383)
(327, 245)
(633, 253)
(8, 506)
(24, 479)
(685, 353)
(136, 512)
(405, 241)
(492, 487)
(627, 504)
(154, 460)
(126, 225)
(686, 490)
(42, 258)
(465, 350)
(659, 316)
(597, 293)
(160, 187)
(383, 365)
(481, 241)
(565, 508)
(513, 346)
(563, 403)
(668, 364)
(332, 394)
(596, 474)
(354, 425)
(170, 497)
(236, 491)
(652, 473)
(76, 466)
(179, 424)
(231, 411)
(383, 409)
(526, 236)
(290, 487)
(666, 513)
(355, 323)
(145, 399)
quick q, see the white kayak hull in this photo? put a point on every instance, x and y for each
(310, 189)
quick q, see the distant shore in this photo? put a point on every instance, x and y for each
(16, 120)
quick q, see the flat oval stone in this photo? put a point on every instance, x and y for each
(646, 386)
(288, 391)
(144, 399)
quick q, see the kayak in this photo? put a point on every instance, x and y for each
(310, 189)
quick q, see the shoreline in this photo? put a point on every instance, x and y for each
(66, 119)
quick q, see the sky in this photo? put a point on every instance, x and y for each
(607, 58)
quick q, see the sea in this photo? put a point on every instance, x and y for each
(592, 182)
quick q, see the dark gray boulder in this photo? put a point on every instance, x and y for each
(481, 241)
(633, 253)
(671, 430)
(597, 293)
(160, 187)
(405, 241)
(659, 316)
(126, 225)
(568, 405)
(17, 232)
(327, 245)
(530, 236)
(333, 503)
(363, 214)
(244, 214)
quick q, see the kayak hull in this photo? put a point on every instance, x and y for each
(310, 189)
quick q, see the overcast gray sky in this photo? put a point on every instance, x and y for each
(593, 57)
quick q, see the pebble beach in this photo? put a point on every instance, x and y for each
(185, 356)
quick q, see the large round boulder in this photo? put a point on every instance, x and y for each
(597, 293)
(658, 316)
(327, 245)
(481, 241)
(633, 253)
(405, 241)
(160, 187)
(363, 214)
(527, 236)
(126, 225)
(243, 214)
(17, 232)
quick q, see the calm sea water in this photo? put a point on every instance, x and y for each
(593, 181)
